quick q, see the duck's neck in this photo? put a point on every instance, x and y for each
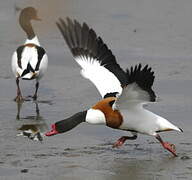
(27, 27)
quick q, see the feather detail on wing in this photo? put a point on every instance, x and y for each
(139, 88)
(96, 60)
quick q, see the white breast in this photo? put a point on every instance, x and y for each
(95, 116)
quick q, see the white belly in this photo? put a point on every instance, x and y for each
(142, 121)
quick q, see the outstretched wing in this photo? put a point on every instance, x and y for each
(92, 54)
(139, 88)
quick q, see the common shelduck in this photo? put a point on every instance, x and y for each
(30, 60)
(123, 92)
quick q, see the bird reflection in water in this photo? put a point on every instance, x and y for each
(32, 127)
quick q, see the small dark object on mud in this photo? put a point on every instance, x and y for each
(185, 158)
(24, 170)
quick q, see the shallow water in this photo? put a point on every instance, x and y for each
(151, 31)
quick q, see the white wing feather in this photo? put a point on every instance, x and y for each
(104, 80)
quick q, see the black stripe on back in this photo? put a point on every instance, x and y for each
(83, 41)
(40, 54)
(19, 54)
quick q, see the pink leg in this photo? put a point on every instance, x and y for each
(19, 97)
(122, 140)
(166, 145)
(36, 89)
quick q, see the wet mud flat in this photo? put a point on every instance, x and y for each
(86, 152)
(138, 33)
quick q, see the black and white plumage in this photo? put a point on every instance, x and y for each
(94, 57)
(30, 60)
(123, 92)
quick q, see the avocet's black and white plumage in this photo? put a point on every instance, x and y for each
(30, 60)
(123, 92)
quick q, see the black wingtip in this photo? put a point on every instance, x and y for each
(83, 41)
(58, 24)
(61, 20)
(143, 77)
(181, 129)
